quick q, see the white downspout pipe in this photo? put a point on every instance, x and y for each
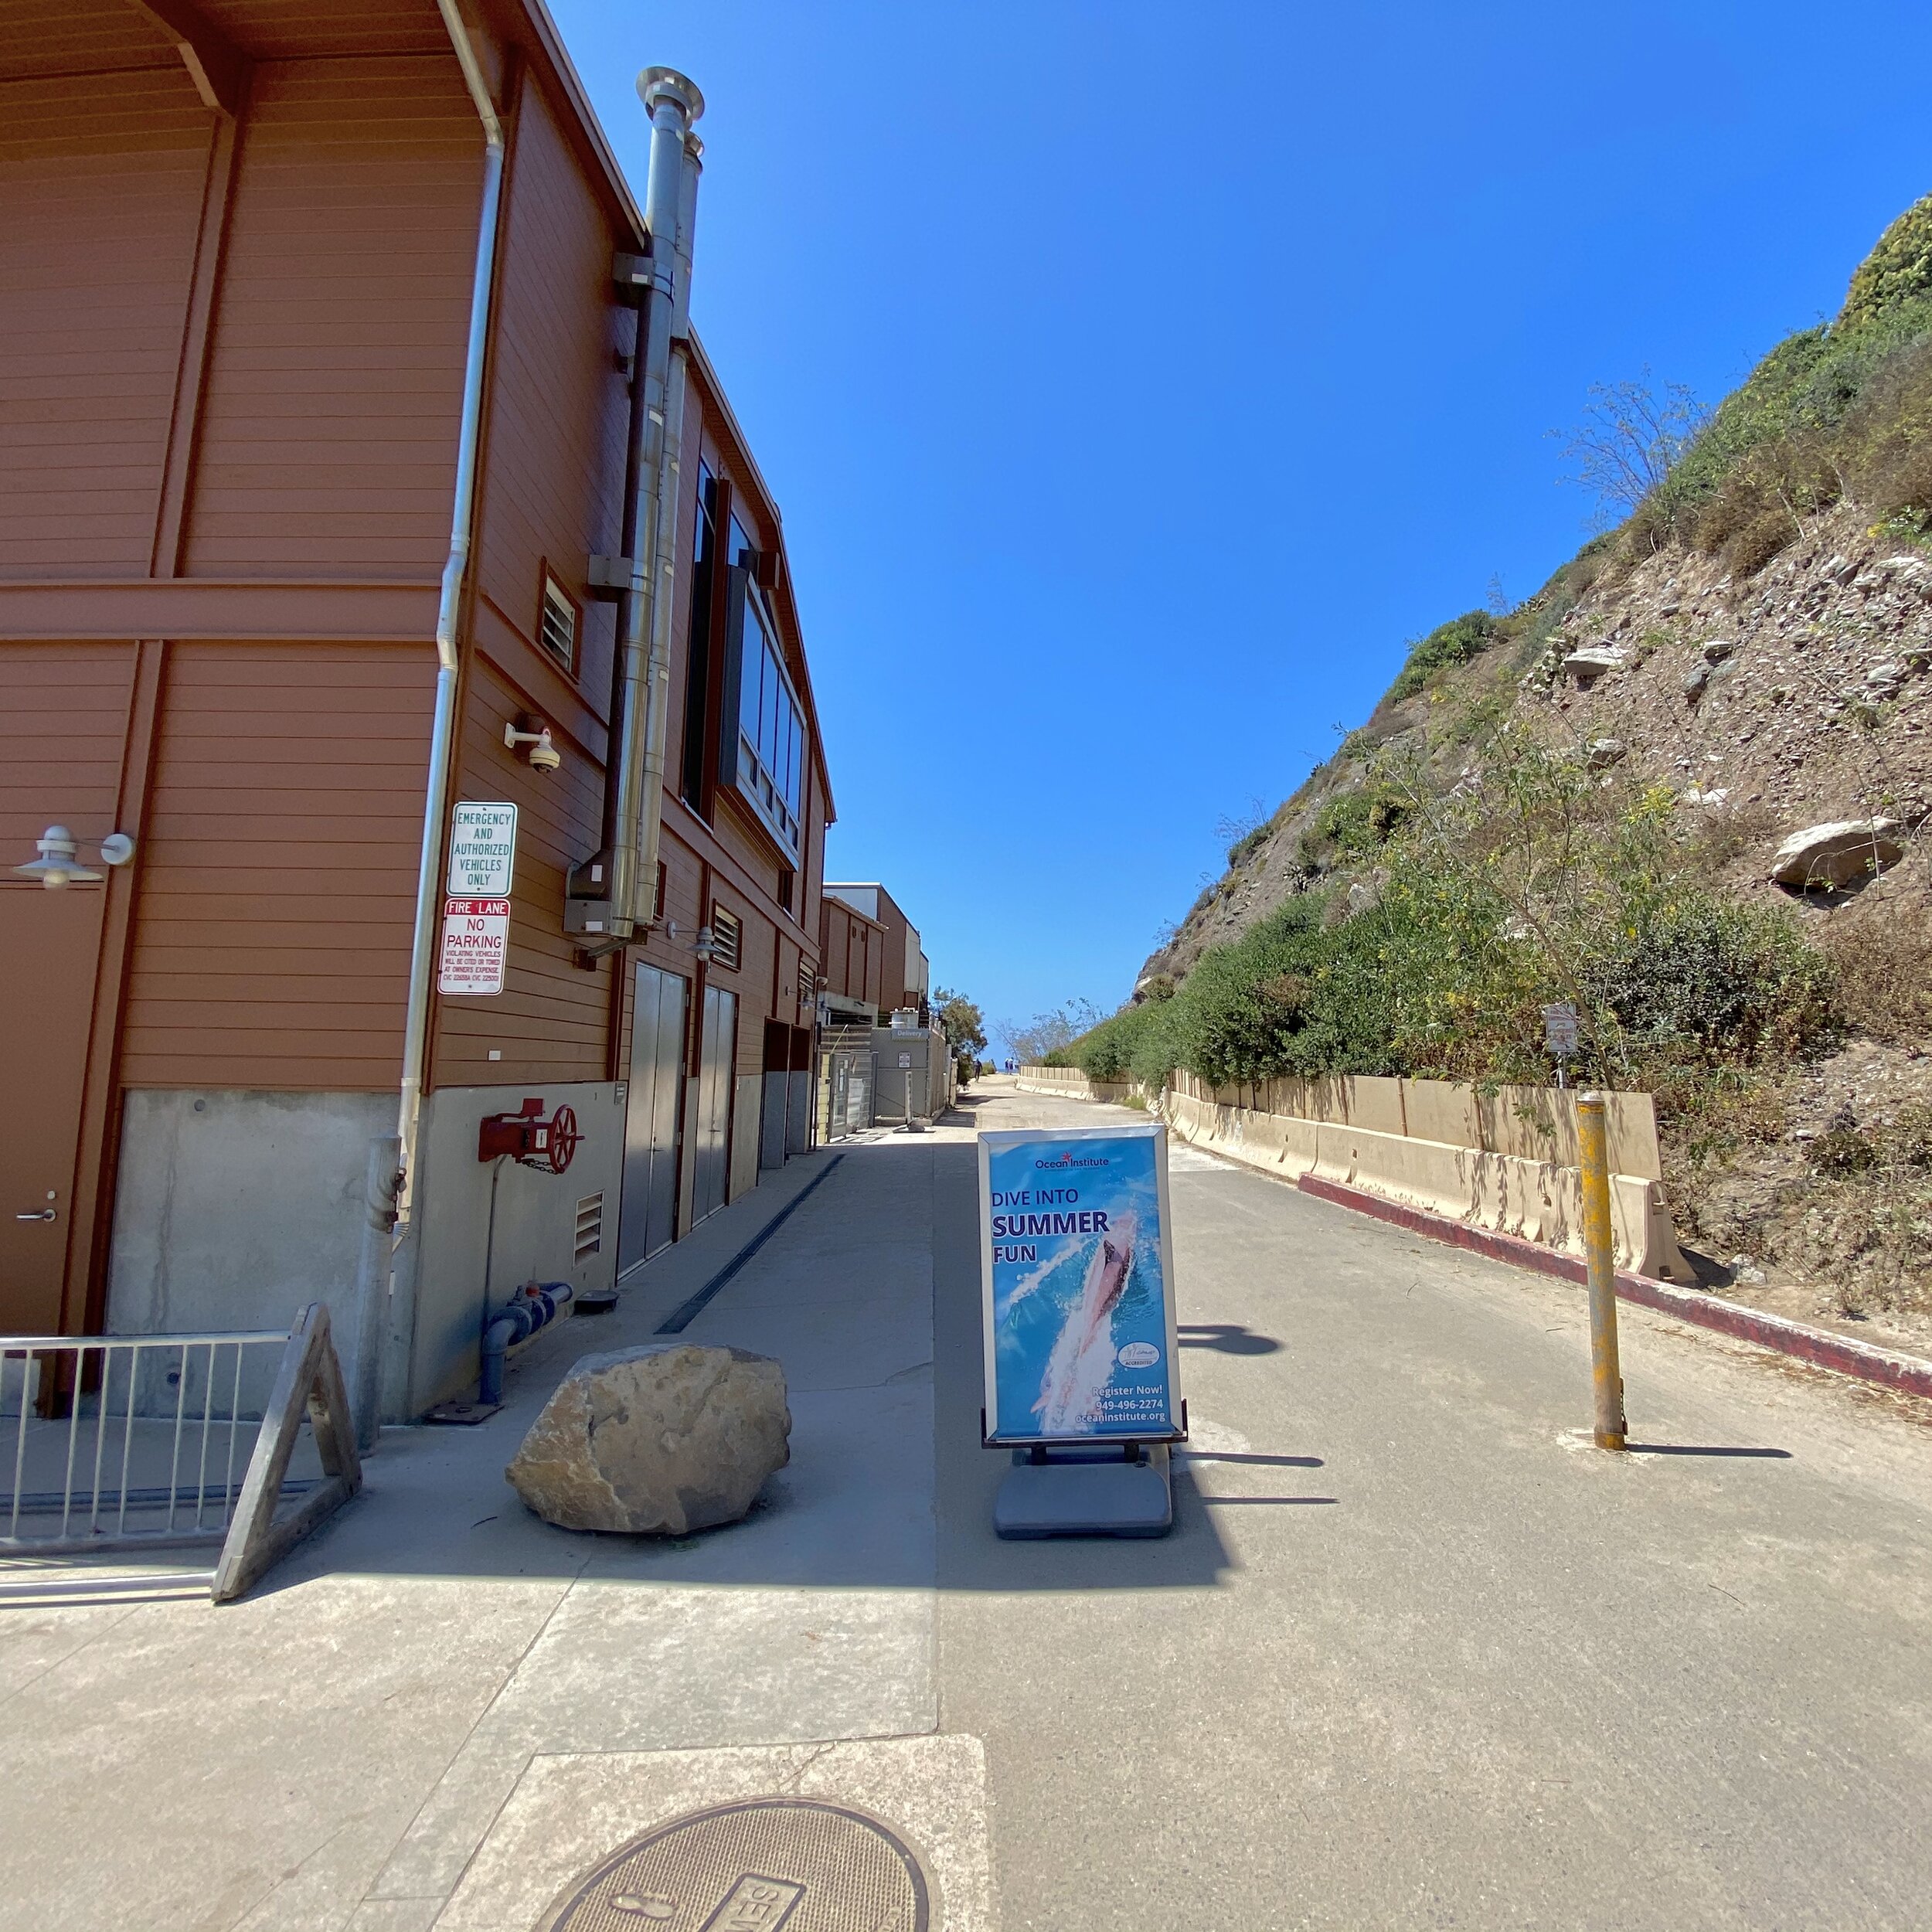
(448, 612)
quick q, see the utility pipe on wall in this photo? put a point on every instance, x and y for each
(448, 612)
(640, 685)
(670, 496)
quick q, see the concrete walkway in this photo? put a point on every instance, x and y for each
(1413, 1656)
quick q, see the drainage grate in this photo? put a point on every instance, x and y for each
(766, 1864)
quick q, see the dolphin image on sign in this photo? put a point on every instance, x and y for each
(1082, 1362)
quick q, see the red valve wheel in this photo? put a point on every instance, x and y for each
(564, 1138)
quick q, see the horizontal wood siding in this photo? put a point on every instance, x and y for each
(550, 1021)
(65, 709)
(294, 29)
(278, 880)
(101, 180)
(553, 480)
(77, 37)
(328, 438)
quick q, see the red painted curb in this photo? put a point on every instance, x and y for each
(1819, 1346)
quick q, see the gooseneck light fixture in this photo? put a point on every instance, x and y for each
(59, 862)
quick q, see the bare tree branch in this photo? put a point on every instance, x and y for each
(1631, 434)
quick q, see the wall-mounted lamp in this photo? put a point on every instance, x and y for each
(542, 755)
(704, 947)
(59, 862)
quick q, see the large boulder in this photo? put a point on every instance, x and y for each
(656, 1441)
(1593, 660)
(1838, 853)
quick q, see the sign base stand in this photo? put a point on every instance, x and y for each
(1085, 1489)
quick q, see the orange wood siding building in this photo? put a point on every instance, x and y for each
(235, 266)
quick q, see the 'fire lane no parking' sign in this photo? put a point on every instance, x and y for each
(476, 940)
(476, 913)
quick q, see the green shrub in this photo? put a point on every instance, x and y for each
(1456, 642)
(1697, 971)
(1540, 882)
(1249, 843)
(1353, 823)
(1898, 270)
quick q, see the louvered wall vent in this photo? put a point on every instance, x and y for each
(589, 1225)
(559, 623)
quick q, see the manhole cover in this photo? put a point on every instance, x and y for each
(767, 1863)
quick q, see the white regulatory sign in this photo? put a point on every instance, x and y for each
(482, 851)
(476, 941)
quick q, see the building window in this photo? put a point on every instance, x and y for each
(557, 626)
(787, 880)
(770, 757)
(727, 938)
(742, 549)
(658, 891)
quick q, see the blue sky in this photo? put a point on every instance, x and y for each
(1138, 380)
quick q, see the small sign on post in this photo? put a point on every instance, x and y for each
(1560, 1033)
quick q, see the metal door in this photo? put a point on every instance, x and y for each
(649, 1215)
(717, 1064)
(51, 942)
(858, 1092)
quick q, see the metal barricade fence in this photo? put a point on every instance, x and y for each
(125, 1443)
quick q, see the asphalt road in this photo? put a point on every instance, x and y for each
(1417, 1655)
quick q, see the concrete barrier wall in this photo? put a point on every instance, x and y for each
(1071, 1082)
(1504, 1160)
(1532, 1122)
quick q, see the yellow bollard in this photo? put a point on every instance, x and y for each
(1605, 1375)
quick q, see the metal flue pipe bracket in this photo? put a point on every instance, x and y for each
(606, 901)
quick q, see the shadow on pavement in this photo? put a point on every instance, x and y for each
(1700, 1449)
(1230, 1337)
(1219, 1502)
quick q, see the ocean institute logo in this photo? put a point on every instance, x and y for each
(1066, 1157)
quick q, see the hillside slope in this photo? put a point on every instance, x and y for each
(1749, 655)
(1798, 696)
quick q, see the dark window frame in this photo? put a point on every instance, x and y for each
(762, 787)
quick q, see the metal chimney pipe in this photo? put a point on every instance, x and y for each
(673, 104)
(670, 497)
